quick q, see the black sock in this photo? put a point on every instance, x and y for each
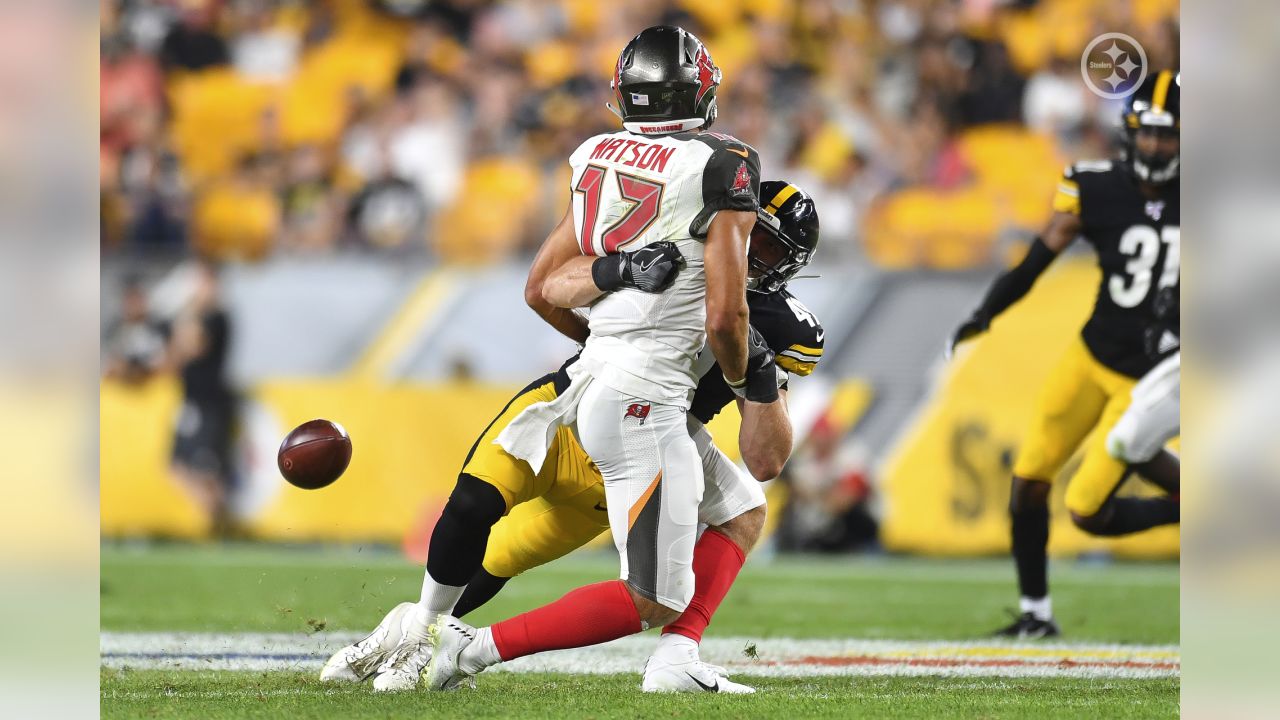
(481, 589)
(1030, 527)
(462, 533)
(1131, 515)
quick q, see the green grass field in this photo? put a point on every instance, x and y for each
(268, 589)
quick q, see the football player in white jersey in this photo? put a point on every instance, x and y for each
(663, 179)
(569, 494)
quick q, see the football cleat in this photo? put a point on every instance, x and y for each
(689, 675)
(404, 665)
(357, 662)
(1028, 627)
(449, 637)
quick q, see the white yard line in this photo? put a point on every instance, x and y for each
(775, 657)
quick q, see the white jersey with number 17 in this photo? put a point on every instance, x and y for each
(630, 191)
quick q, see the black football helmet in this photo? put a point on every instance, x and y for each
(1154, 107)
(665, 82)
(784, 238)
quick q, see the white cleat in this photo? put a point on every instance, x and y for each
(449, 637)
(357, 662)
(402, 671)
(404, 666)
(692, 675)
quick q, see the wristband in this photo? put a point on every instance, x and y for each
(606, 273)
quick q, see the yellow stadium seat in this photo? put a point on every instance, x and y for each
(713, 14)
(968, 224)
(491, 215)
(1028, 40)
(924, 227)
(216, 115)
(1016, 168)
(236, 222)
(551, 63)
(582, 16)
(1149, 12)
(313, 103)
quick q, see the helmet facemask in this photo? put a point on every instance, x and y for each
(772, 257)
(1156, 167)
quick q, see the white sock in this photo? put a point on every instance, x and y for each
(1040, 608)
(480, 653)
(674, 647)
(438, 599)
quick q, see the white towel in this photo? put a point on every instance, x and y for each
(530, 433)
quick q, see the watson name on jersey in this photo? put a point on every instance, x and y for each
(633, 190)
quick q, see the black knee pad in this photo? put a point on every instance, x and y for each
(475, 502)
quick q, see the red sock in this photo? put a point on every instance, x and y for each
(716, 562)
(587, 616)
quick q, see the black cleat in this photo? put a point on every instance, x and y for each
(1029, 627)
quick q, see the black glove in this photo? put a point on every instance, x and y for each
(761, 383)
(975, 325)
(650, 269)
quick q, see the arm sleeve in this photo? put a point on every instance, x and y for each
(1013, 284)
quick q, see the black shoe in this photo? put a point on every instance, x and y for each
(1028, 627)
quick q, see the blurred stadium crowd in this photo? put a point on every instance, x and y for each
(928, 130)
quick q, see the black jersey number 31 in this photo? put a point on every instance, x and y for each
(1142, 244)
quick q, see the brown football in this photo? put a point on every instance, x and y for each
(315, 454)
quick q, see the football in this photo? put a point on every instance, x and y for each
(315, 454)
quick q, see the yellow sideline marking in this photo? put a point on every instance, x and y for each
(403, 327)
(1033, 652)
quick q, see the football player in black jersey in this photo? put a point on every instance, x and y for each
(518, 519)
(1128, 211)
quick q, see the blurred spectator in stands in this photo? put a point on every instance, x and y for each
(312, 205)
(130, 99)
(419, 137)
(491, 97)
(927, 152)
(388, 214)
(828, 506)
(1056, 101)
(262, 47)
(993, 88)
(239, 218)
(153, 199)
(193, 43)
(199, 343)
(133, 346)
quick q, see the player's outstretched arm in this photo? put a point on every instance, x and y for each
(583, 280)
(560, 247)
(1016, 282)
(725, 262)
(764, 438)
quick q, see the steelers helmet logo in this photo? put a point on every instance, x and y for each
(1113, 65)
